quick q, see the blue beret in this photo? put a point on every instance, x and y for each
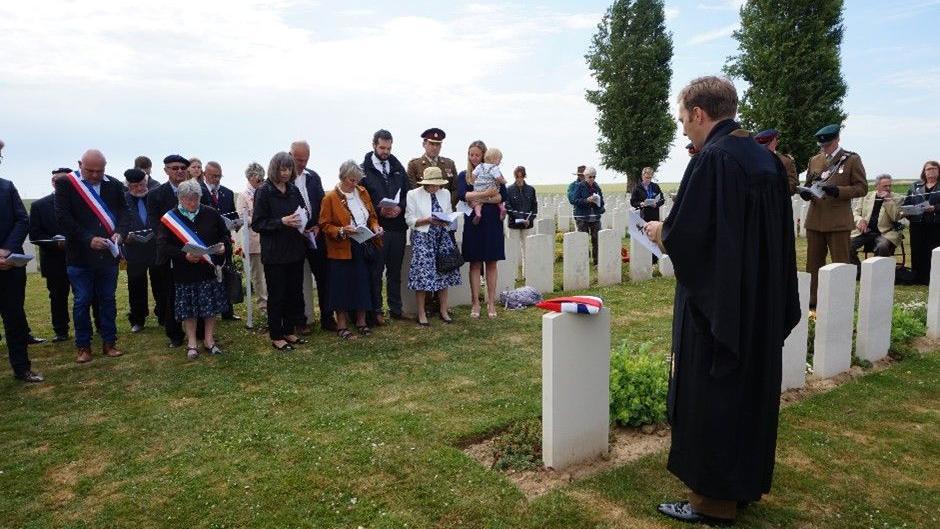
(175, 158)
(435, 135)
(766, 136)
(827, 133)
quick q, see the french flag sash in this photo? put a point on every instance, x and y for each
(573, 304)
(94, 202)
(176, 225)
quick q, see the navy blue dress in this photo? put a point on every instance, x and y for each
(484, 241)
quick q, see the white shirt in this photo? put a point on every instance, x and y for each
(356, 207)
(96, 187)
(301, 183)
(378, 164)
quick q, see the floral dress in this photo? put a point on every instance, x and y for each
(425, 245)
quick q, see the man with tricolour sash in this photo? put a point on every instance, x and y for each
(93, 216)
(833, 178)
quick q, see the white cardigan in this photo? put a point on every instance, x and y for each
(418, 206)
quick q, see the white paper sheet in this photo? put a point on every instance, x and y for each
(20, 259)
(199, 250)
(362, 234)
(636, 225)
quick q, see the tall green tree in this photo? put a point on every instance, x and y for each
(630, 59)
(789, 56)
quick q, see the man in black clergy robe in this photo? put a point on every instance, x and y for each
(730, 238)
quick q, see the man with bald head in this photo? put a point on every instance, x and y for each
(93, 216)
(14, 224)
(311, 189)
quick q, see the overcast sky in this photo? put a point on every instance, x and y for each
(237, 81)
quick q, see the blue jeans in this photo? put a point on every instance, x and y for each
(90, 285)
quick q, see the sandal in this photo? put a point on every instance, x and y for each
(492, 315)
(446, 319)
(345, 334)
(192, 353)
(213, 349)
(475, 313)
(364, 330)
(300, 341)
(284, 348)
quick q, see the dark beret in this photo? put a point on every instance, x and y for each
(827, 133)
(435, 135)
(175, 158)
(61, 170)
(766, 136)
(134, 175)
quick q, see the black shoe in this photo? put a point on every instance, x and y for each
(29, 376)
(682, 511)
(396, 315)
(32, 340)
(175, 343)
(61, 338)
(231, 317)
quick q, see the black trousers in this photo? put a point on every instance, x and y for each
(137, 292)
(58, 286)
(924, 239)
(390, 256)
(172, 328)
(591, 228)
(871, 242)
(321, 273)
(13, 289)
(285, 284)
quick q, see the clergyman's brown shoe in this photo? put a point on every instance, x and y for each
(84, 355)
(108, 349)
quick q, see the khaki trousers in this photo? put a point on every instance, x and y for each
(818, 244)
(724, 509)
(258, 287)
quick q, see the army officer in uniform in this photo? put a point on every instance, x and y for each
(432, 158)
(770, 138)
(841, 176)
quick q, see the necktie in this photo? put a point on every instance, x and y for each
(384, 169)
(215, 197)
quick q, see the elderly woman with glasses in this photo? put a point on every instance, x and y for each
(280, 217)
(196, 278)
(346, 213)
(245, 206)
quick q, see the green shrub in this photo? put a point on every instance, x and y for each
(519, 447)
(639, 381)
(907, 323)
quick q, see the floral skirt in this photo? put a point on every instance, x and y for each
(423, 274)
(205, 299)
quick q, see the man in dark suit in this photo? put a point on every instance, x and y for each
(159, 201)
(144, 164)
(140, 252)
(45, 234)
(14, 225)
(311, 189)
(386, 178)
(222, 199)
(93, 215)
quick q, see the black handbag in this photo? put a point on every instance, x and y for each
(369, 250)
(447, 258)
(232, 280)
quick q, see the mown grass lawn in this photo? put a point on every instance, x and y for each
(368, 433)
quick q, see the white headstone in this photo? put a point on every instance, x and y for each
(621, 218)
(641, 262)
(607, 220)
(665, 267)
(548, 212)
(933, 297)
(576, 259)
(575, 387)
(875, 303)
(540, 262)
(545, 226)
(564, 223)
(794, 348)
(609, 270)
(456, 296)
(32, 266)
(506, 273)
(409, 305)
(307, 288)
(835, 308)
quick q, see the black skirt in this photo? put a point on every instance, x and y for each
(350, 282)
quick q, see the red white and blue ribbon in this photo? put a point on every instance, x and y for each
(176, 225)
(573, 304)
(94, 202)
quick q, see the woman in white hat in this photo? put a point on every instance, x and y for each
(430, 238)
